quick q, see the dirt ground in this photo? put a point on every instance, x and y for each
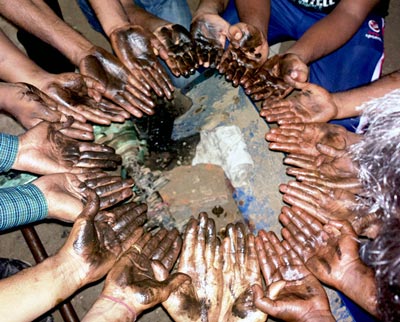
(54, 234)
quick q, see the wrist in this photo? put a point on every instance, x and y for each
(108, 308)
(318, 316)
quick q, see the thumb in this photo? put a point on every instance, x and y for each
(91, 202)
(328, 150)
(176, 280)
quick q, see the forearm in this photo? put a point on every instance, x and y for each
(362, 289)
(331, 32)
(349, 101)
(108, 21)
(37, 18)
(254, 12)
(15, 66)
(211, 6)
(139, 16)
(36, 290)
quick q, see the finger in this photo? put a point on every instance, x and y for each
(128, 217)
(189, 244)
(154, 242)
(211, 243)
(116, 197)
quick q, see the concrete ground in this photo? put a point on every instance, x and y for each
(53, 235)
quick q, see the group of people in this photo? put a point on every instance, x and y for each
(341, 220)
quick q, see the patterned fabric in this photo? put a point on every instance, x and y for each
(21, 205)
(8, 151)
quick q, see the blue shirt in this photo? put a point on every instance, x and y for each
(22, 204)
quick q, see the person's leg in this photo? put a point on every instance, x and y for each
(44, 55)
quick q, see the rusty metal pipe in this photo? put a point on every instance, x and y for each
(39, 253)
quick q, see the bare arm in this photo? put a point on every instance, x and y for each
(333, 31)
(254, 12)
(348, 101)
(36, 17)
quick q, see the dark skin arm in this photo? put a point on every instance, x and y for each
(88, 254)
(330, 252)
(315, 104)
(293, 293)
(133, 279)
(30, 106)
(135, 47)
(248, 50)
(108, 76)
(209, 31)
(177, 48)
(302, 138)
(65, 197)
(44, 149)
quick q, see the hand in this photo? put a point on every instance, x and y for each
(330, 252)
(293, 293)
(316, 178)
(44, 149)
(30, 106)
(64, 192)
(240, 271)
(133, 280)
(182, 60)
(312, 104)
(248, 50)
(120, 86)
(133, 45)
(209, 32)
(302, 138)
(322, 203)
(71, 90)
(201, 260)
(260, 84)
(97, 239)
(330, 162)
(290, 68)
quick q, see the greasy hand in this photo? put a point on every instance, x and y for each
(133, 45)
(209, 33)
(302, 138)
(64, 194)
(312, 104)
(120, 85)
(201, 260)
(329, 251)
(240, 271)
(248, 50)
(71, 90)
(133, 279)
(330, 162)
(44, 149)
(30, 106)
(182, 59)
(97, 239)
(316, 178)
(322, 203)
(290, 68)
(261, 84)
(293, 293)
